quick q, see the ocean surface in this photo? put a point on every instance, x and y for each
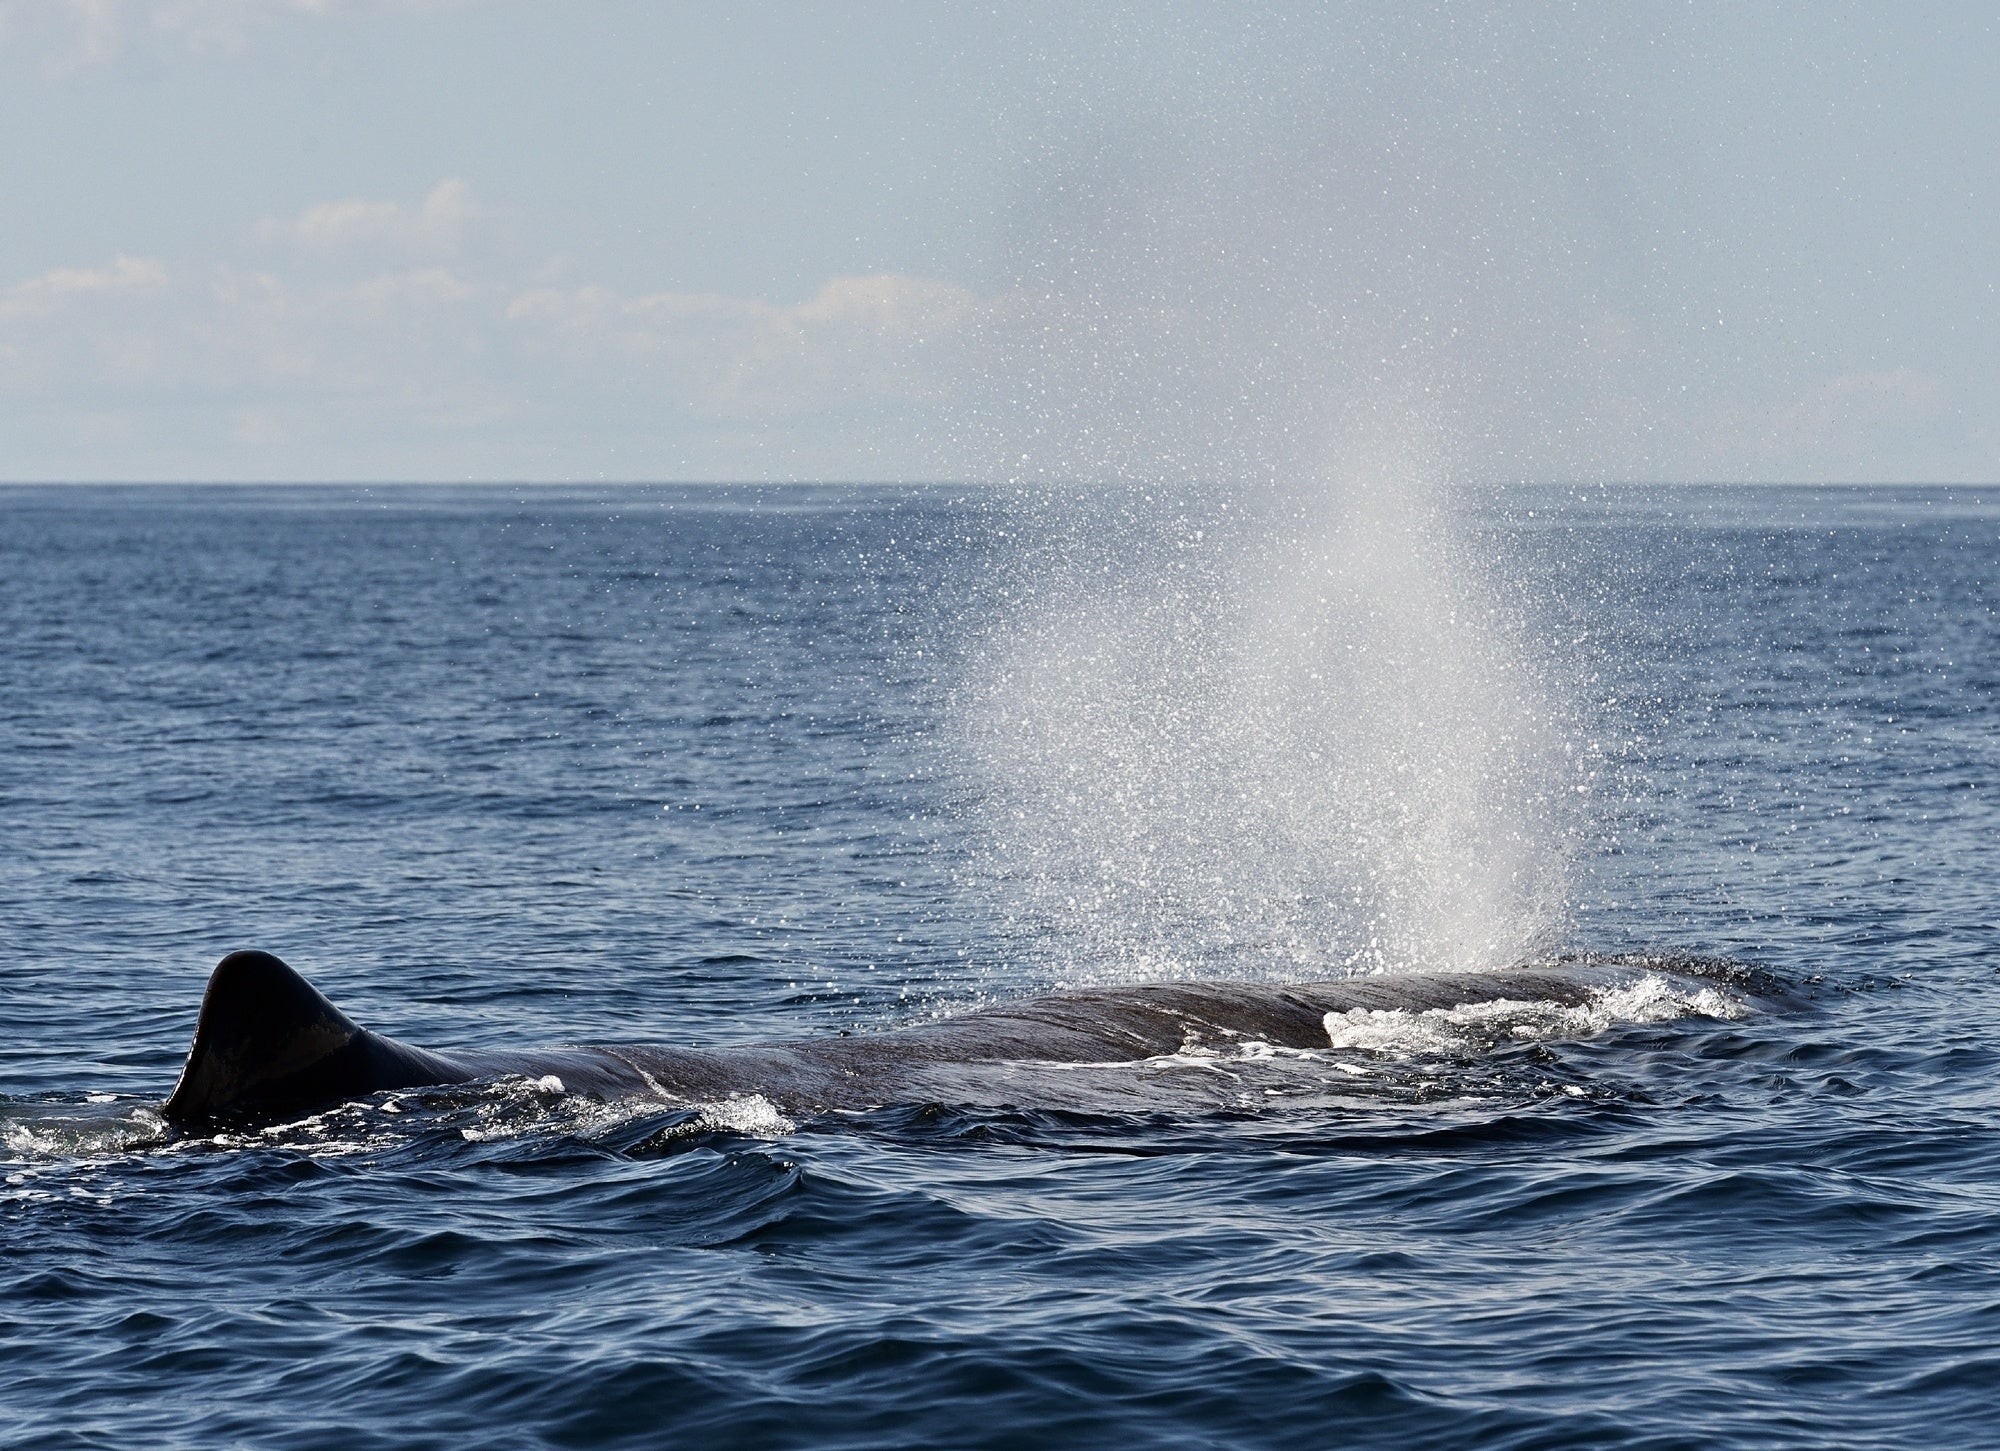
(500, 767)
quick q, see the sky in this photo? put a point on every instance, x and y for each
(385, 240)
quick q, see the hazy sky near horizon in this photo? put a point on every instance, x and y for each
(444, 239)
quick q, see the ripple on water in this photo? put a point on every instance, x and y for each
(522, 771)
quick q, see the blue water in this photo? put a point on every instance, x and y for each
(501, 767)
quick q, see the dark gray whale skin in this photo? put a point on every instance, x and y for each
(268, 1046)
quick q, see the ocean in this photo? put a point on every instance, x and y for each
(506, 766)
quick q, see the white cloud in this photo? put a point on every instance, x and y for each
(419, 287)
(40, 296)
(859, 339)
(66, 36)
(604, 316)
(886, 303)
(329, 363)
(882, 336)
(357, 359)
(433, 225)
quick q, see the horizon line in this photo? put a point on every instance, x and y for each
(838, 483)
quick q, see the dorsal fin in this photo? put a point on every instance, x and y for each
(269, 1042)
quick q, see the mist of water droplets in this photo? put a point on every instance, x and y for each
(1259, 699)
(1286, 733)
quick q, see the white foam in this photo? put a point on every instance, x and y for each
(750, 1114)
(523, 1108)
(57, 1133)
(1470, 1026)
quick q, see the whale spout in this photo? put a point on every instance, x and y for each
(268, 1043)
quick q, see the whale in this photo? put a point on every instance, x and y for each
(269, 1047)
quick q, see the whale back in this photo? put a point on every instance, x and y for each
(269, 1045)
(268, 1042)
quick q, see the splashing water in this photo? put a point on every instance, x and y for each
(1473, 1027)
(1259, 702)
(1279, 735)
